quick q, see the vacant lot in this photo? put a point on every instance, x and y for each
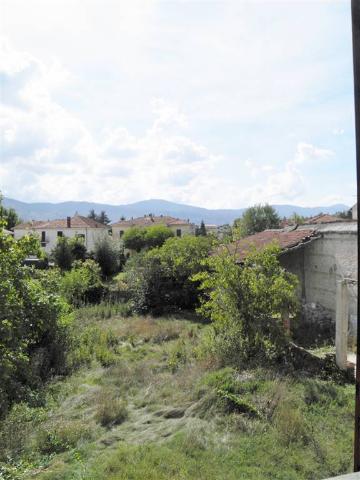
(147, 403)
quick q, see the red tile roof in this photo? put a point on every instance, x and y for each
(324, 218)
(148, 220)
(285, 239)
(78, 221)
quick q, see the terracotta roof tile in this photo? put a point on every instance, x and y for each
(285, 239)
(78, 221)
(148, 221)
(325, 218)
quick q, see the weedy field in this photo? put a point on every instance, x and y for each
(147, 403)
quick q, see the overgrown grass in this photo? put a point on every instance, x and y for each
(145, 402)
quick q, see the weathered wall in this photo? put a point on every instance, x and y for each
(323, 262)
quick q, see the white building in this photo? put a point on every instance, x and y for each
(178, 226)
(51, 230)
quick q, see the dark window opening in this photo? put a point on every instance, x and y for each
(43, 239)
(59, 234)
(121, 233)
(178, 232)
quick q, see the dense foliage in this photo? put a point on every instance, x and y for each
(62, 254)
(108, 255)
(8, 216)
(246, 303)
(82, 284)
(33, 321)
(159, 279)
(256, 219)
(139, 238)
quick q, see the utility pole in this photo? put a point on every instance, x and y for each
(355, 13)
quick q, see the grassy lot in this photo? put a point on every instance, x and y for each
(145, 403)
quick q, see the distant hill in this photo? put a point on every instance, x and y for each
(50, 211)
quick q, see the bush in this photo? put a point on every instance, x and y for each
(78, 248)
(33, 324)
(139, 238)
(107, 253)
(83, 283)
(159, 280)
(62, 254)
(245, 304)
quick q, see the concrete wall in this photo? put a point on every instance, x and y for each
(323, 262)
(91, 235)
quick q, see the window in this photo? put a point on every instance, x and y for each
(60, 234)
(43, 239)
(178, 232)
(121, 233)
(81, 235)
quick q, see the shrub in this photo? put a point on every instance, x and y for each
(134, 238)
(62, 253)
(159, 280)
(61, 435)
(78, 248)
(139, 238)
(107, 254)
(33, 324)
(156, 235)
(83, 283)
(245, 304)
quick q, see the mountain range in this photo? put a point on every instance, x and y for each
(50, 211)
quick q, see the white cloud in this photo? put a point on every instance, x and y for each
(49, 155)
(288, 183)
(59, 158)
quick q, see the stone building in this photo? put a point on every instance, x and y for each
(324, 258)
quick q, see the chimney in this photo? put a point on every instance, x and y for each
(68, 222)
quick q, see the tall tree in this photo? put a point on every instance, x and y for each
(92, 214)
(102, 217)
(257, 219)
(201, 231)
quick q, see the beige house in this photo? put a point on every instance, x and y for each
(51, 230)
(178, 226)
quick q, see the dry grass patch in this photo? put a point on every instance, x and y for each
(111, 410)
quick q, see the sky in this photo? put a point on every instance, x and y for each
(219, 104)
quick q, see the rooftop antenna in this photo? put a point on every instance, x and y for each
(355, 14)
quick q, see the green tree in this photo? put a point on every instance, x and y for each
(92, 214)
(134, 239)
(156, 235)
(78, 248)
(159, 279)
(9, 216)
(246, 303)
(346, 214)
(297, 219)
(201, 231)
(107, 254)
(83, 283)
(138, 238)
(33, 323)
(62, 253)
(256, 219)
(102, 217)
